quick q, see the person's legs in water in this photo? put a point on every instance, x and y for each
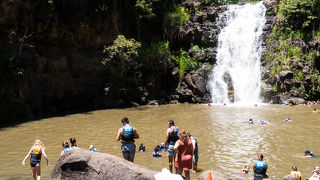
(187, 174)
(171, 154)
(34, 173)
(125, 152)
(132, 151)
(195, 160)
(179, 171)
(128, 151)
(38, 171)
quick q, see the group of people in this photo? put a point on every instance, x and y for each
(182, 148)
(38, 149)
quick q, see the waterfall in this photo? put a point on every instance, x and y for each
(238, 55)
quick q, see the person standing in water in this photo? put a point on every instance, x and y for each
(195, 151)
(36, 150)
(184, 149)
(260, 168)
(127, 134)
(171, 138)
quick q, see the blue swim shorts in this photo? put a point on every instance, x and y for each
(171, 152)
(128, 150)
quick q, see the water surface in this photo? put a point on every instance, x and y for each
(226, 141)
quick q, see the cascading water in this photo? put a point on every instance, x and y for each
(238, 55)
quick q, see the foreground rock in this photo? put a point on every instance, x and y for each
(82, 164)
(214, 175)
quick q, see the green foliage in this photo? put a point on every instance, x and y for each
(295, 53)
(297, 14)
(159, 47)
(185, 62)
(174, 20)
(144, 9)
(195, 48)
(120, 54)
(122, 50)
(155, 49)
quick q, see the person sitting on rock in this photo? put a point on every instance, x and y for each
(295, 172)
(65, 147)
(92, 148)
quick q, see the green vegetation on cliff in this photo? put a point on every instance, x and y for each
(294, 46)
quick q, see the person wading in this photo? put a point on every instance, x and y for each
(127, 134)
(171, 138)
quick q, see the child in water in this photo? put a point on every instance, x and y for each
(287, 119)
(245, 171)
(250, 121)
(162, 146)
(156, 152)
(142, 148)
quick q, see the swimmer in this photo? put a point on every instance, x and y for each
(263, 122)
(315, 170)
(142, 148)
(92, 148)
(245, 171)
(295, 172)
(287, 119)
(250, 121)
(315, 111)
(309, 154)
(156, 152)
(162, 146)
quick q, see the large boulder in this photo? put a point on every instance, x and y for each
(83, 164)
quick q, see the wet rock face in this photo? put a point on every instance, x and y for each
(83, 164)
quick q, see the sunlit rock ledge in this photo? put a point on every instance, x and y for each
(83, 164)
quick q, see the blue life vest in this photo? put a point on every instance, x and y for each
(127, 134)
(250, 122)
(262, 122)
(67, 149)
(156, 154)
(173, 137)
(94, 149)
(260, 168)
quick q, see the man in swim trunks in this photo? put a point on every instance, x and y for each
(171, 138)
(127, 134)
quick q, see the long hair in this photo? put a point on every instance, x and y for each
(183, 136)
(73, 142)
(37, 146)
(65, 144)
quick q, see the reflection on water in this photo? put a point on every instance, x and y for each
(226, 141)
